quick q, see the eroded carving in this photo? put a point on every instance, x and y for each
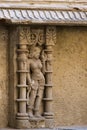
(35, 74)
(50, 35)
(25, 35)
(36, 82)
(37, 37)
(32, 36)
(32, 40)
(50, 41)
(3, 34)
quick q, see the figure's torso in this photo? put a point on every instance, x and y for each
(35, 67)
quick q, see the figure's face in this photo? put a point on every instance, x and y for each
(36, 54)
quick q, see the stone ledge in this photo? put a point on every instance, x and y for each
(59, 128)
(43, 16)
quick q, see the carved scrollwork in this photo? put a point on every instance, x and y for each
(37, 36)
(51, 36)
(32, 36)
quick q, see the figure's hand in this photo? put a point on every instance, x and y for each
(30, 85)
(32, 82)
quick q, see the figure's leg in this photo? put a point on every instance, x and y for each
(38, 102)
(32, 97)
(31, 102)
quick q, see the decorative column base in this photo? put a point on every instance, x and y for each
(37, 123)
(31, 123)
(26, 124)
(22, 124)
(49, 120)
(49, 123)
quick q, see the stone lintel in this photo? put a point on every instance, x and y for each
(55, 14)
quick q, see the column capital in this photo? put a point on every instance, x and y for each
(24, 35)
(50, 35)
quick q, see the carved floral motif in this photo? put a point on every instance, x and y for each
(51, 35)
(32, 36)
(25, 35)
(37, 36)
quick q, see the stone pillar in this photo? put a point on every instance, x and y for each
(50, 41)
(13, 40)
(22, 116)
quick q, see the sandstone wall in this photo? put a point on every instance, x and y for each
(70, 76)
(3, 77)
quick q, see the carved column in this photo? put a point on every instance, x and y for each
(22, 116)
(50, 41)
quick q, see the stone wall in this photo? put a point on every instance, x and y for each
(3, 77)
(70, 76)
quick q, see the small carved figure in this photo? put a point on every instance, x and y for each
(36, 81)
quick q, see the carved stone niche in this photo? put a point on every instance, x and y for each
(31, 50)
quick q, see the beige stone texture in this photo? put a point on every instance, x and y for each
(70, 76)
(3, 77)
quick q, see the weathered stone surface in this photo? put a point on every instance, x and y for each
(69, 16)
(34, 77)
(70, 76)
(4, 77)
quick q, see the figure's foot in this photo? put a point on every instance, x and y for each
(30, 114)
(37, 115)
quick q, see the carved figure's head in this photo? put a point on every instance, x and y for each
(35, 52)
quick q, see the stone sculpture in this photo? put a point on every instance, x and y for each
(35, 77)
(35, 81)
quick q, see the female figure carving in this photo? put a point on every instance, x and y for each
(36, 81)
